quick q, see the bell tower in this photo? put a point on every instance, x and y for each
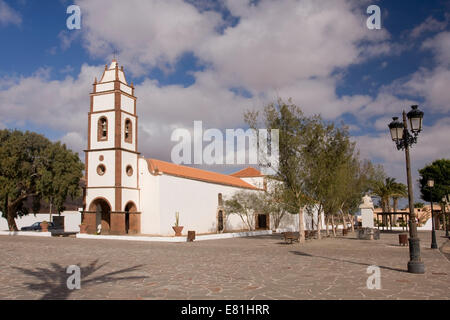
(112, 190)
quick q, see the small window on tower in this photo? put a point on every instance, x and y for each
(101, 169)
(129, 171)
(102, 133)
(128, 131)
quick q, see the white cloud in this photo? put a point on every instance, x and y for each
(440, 46)
(280, 48)
(146, 33)
(431, 145)
(385, 103)
(75, 141)
(59, 105)
(429, 25)
(432, 84)
(277, 43)
(8, 15)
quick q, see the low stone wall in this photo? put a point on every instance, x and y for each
(25, 233)
(177, 239)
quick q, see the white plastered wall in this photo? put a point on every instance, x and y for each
(255, 181)
(105, 193)
(125, 88)
(129, 158)
(103, 102)
(95, 144)
(197, 203)
(149, 200)
(101, 87)
(72, 220)
(126, 103)
(108, 179)
(130, 195)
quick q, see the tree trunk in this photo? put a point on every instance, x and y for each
(319, 225)
(352, 224)
(50, 211)
(10, 218)
(301, 226)
(326, 226)
(344, 222)
(332, 226)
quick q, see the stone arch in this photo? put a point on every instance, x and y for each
(132, 218)
(102, 128)
(128, 131)
(101, 210)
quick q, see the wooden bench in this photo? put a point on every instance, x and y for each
(291, 236)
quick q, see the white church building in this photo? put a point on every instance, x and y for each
(128, 194)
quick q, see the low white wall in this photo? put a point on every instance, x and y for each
(177, 239)
(26, 233)
(72, 220)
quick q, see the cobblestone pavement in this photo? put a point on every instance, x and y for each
(244, 268)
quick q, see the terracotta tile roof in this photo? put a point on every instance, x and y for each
(196, 174)
(248, 172)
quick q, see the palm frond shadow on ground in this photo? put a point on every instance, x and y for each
(53, 280)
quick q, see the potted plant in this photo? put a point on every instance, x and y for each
(44, 226)
(177, 228)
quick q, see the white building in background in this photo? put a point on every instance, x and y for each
(71, 220)
(128, 194)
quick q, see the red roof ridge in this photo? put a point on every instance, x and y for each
(248, 172)
(155, 166)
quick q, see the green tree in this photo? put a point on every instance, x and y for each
(295, 136)
(318, 163)
(439, 171)
(419, 205)
(272, 201)
(32, 167)
(244, 204)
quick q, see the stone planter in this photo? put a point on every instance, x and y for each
(83, 228)
(177, 231)
(44, 226)
(369, 234)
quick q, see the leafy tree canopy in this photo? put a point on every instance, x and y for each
(33, 167)
(439, 171)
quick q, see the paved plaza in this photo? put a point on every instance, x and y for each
(243, 268)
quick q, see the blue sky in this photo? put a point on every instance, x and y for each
(211, 60)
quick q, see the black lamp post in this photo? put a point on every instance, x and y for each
(403, 140)
(430, 184)
(445, 202)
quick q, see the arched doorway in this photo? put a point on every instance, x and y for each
(130, 218)
(102, 211)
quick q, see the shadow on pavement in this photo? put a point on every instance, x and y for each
(299, 253)
(53, 280)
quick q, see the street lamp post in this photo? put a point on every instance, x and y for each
(446, 214)
(434, 245)
(403, 140)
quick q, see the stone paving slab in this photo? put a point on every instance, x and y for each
(260, 267)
